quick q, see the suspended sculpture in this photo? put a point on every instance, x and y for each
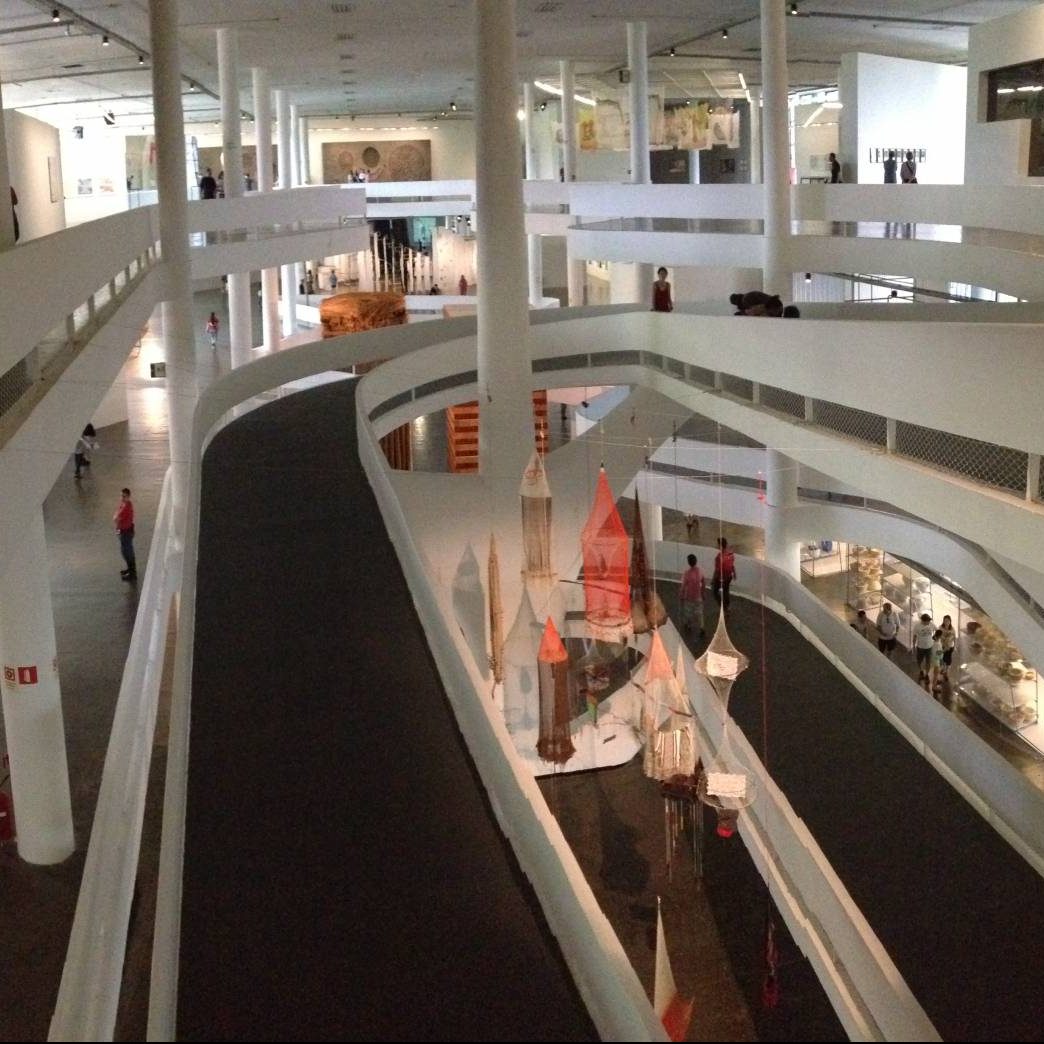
(723, 785)
(557, 697)
(496, 614)
(521, 686)
(667, 721)
(538, 573)
(673, 1010)
(607, 598)
(647, 609)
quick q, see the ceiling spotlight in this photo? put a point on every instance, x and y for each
(453, 106)
(793, 9)
(808, 277)
(141, 59)
(543, 106)
(443, 112)
(192, 86)
(672, 52)
(109, 118)
(55, 16)
(724, 34)
(105, 41)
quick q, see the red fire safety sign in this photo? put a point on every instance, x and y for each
(21, 675)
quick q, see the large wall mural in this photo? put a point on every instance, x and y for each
(381, 160)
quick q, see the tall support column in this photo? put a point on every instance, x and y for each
(263, 145)
(32, 703)
(289, 279)
(755, 135)
(504, 370)
(565, 74)
(240, 336)
(302, 150)
(179, 334)
(7, 236)
(776, 149)
(576, 277)
(781, 497)
(638, 62)
(534, 248)
(295, 148)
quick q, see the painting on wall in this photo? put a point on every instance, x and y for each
(84, 187)
(380, 160)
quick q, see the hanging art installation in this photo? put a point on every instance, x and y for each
(607, 597)
(666, 720)
(721, 786)
(496, 614)
(647, 611)
(557, 698)
(674, 1011)
(521, 687)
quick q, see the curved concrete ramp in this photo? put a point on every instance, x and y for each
(344, 875)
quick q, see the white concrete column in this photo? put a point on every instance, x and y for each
(302, 150)
(240, 336)
(625, 282)
(179, 334)
(7, 239)
(534, 249)
(652, 524)
(285, 159)
(32, 702)
(638, 63)
(781, 497)
(565, 74)
(755, 135)
(270, 332)
(295, 148)
(775, 149)
(504, 370)
(576, 277)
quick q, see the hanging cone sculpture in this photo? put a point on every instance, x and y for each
(647, 609)
(723, 785)
(606, 587)
(535, 496)
(672, 1010)
(521, 648)
(496, 615)
(556, 680)
(666, 719)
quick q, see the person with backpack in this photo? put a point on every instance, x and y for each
(724, 573)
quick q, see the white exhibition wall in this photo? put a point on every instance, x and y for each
(899, 103)
(998, 153)
(814, 143)
(94, 171)
(34, 158)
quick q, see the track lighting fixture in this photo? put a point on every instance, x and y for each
(55, 16)
(672, 52)
(808, 277)
(724, 34)
(105, 40)
(141, 59)
(793, 9)
(453, 106)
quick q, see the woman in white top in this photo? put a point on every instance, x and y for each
(948, 637)
(924, 637)
(85, 445)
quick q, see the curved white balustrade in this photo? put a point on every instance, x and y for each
(266, 209)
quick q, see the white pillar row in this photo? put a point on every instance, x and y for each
(505, 400)
(295, 180)
(565, 73)
(781, 498)
(240, 335)
(263, 146)
(179, 335)
(32, 702)
(7, 239)
(775, 148)
(534, 247)
(288, 276)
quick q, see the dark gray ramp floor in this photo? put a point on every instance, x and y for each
(344, 875)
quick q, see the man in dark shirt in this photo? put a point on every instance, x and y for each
(889, 169)
(207, 186)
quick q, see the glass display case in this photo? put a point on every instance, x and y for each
(823, 557)
(993, 673)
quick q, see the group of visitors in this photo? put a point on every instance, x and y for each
(933, 645)
(758, 303)
(691, 594)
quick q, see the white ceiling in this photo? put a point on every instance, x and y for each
(416, 56)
